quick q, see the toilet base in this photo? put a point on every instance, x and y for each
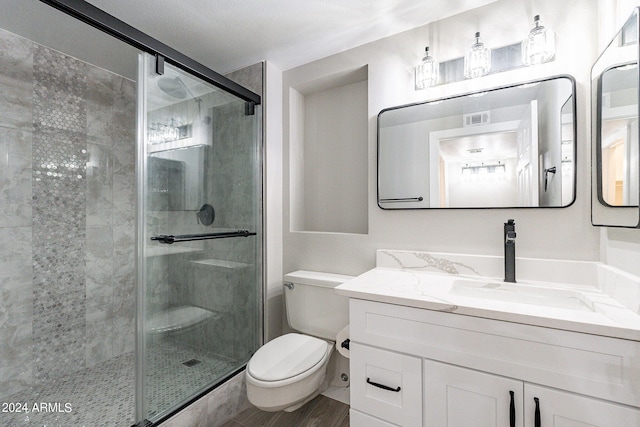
(338, 365)
(307, 400)
(286, 399)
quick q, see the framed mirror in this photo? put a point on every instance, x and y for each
(508, 147)
(615, 148)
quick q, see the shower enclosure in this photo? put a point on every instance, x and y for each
(130, 215)
(200, 223)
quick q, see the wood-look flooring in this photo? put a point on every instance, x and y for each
(320, 412)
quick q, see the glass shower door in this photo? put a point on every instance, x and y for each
(199, 298)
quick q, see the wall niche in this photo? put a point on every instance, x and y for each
(328, 154)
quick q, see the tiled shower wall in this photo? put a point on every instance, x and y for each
(67, 214)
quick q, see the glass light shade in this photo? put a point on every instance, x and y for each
(540, 44)
(427, 72)
(477, 60)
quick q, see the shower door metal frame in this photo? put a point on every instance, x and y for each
(101, 20)
(97, 18)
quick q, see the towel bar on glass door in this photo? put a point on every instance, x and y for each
(169, 239)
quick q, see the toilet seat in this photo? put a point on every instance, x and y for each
(287, 358)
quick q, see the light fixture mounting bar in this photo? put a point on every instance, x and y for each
(502, 59)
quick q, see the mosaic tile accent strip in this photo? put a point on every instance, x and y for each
(59, 212)
(59, 91)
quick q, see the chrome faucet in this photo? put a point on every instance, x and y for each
(510, 251)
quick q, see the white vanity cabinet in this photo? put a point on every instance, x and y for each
(440, 369)
(562, 409)
(493, 401)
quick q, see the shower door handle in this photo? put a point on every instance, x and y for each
(170, 239)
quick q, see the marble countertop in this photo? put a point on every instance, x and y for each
(586, 308)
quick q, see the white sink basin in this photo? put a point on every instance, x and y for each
(523, 294)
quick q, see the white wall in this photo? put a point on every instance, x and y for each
(273, 201)
(549, 233)
(335, 138)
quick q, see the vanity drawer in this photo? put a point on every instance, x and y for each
(386, 385)
(592, 365)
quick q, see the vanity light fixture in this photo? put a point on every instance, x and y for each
(477, 60)
(540, 44)
(497, 168)
(172, 130)
(427, 72)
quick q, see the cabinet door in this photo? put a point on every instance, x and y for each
(358, 419)
(563, 409)
(386, 385)
(460, 397)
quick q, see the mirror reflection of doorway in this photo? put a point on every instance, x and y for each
(479, 170)
(619, 145)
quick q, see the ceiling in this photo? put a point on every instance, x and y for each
(227, 35)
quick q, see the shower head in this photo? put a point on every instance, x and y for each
(173, 87)
(176, 88)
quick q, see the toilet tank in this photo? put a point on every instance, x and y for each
(312, 306)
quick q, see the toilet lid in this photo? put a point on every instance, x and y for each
(286, 356)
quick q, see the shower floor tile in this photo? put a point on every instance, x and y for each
(170, 380)
(104, 395)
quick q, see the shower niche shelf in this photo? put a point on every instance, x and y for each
(220, 264)
(178, 318)
(157, 250)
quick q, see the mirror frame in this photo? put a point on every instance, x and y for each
(466, 94)
(602, 213)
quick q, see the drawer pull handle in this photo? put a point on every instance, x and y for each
(382, 386)
(537, 414)
(512, 410)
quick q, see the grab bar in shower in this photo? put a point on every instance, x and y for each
(170, 239)
(404, 199)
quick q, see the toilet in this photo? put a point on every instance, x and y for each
(290, 370)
